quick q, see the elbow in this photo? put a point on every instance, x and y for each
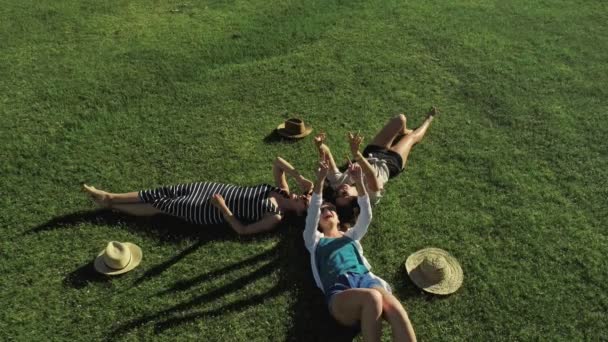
(240, 230)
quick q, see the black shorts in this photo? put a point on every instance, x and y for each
(393, 159)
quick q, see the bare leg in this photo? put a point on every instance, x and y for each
(394, 127)
(129, 202)
(137, 209)
(104, 198)
(395, 314)
(404, 146)
(360, 305)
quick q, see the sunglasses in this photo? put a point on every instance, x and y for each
(329, 207)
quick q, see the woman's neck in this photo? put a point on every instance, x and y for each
(333, 232)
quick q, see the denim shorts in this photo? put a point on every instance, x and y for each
(355, 281)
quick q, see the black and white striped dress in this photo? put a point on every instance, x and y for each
(192, 202)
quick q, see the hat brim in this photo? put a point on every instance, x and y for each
(136, 256)
(450, 284)
(283, 132)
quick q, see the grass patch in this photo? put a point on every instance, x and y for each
(511, 179)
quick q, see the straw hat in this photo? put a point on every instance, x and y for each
(118, 258)
(434, 270)
(294, 128)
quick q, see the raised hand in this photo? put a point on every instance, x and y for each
(218, 201)
(319, 139)
(355, 141)
(323, 170)
(355, 172)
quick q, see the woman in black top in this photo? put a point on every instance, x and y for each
(248, 210)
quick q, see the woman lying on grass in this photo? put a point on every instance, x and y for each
(355, 296)
(248, 210)
(382, 159)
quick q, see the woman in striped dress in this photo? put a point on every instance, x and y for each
(247, 209)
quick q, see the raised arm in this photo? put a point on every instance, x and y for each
(311, 234)
(281, 167)
(324, 152)
(265, 224)
(334, 176)
(355, 142)
(365, 216)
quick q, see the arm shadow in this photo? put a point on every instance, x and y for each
(162, 227)
(309, 317)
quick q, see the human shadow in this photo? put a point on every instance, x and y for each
(173, 316)
(164, 227)
(310, 319)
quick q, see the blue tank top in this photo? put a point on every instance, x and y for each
(336, 256)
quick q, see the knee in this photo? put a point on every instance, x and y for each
(392, 306)
(374, 302)
(401, 119)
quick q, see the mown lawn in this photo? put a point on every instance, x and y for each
(124, 95)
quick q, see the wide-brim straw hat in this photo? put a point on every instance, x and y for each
(294, 128)
(118, 258)
(434, 270)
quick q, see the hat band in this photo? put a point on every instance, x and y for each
(114, 268)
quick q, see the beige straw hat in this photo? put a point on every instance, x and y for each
(118, 258)
(434, 270)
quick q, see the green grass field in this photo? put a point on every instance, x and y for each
(124, 95)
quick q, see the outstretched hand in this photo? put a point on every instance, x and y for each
(323, 170)
(355, 172)
(355, 141)
(319, 139)
(218, 201)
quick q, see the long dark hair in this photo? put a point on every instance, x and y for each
(348, 215)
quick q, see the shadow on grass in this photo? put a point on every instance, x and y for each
(83, 276)
(163, 227)
(406, 289)
(309, 318)
(276, 138)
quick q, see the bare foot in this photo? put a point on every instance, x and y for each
(404, 130)
(433, 111)
(101, 198)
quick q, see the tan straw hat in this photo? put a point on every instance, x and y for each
(118, 258)
(294, 128)
(434, 270)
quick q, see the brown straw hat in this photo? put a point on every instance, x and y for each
(434, 270)
(294, 128)
(118, 258)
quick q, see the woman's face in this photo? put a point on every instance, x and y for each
(300, 203)
(346, 194)
(329, 217)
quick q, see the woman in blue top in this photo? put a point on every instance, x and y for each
(354, 295)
